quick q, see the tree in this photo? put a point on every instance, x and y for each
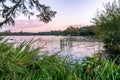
(108, 26)
(9, 12)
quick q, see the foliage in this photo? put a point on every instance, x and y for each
(26, 63)
(108, 26)
(26, 7)
(82, 31)
(97, 68)
(73, 31)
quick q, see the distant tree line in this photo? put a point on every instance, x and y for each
(82, 31)
(72, 31)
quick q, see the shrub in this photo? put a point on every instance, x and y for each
(96, 68)
(108, 26)
(25, 63)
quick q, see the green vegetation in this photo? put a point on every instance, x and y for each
(108, 27)
(82, 31)
(26, 7)
(73, 31)
(25, 63)
(98, 68)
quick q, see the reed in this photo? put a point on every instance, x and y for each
(25, 63)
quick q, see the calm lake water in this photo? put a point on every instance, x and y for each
(75, 46)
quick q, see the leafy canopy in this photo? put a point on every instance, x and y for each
(108, 20)
(10, 9)
(108, 28)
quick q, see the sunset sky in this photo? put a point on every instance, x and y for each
(69, 12)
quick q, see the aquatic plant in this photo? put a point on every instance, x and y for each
(25, 63)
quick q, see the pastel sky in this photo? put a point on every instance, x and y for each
(69, 12)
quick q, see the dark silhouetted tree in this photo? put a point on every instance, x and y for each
(10, 9)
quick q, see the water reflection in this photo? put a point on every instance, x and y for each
(75, 46)
(66, 43)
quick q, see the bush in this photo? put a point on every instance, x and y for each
(108, 27)
(23, 63)
(96, 68)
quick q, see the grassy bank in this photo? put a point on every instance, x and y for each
(24, 63)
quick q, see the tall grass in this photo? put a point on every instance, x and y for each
(97, 68)
(24, 63)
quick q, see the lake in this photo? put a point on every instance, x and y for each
(75, 46)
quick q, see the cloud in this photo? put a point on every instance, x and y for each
(26, 26)
(37, 26)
